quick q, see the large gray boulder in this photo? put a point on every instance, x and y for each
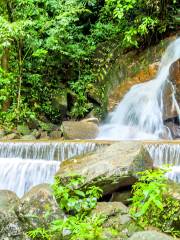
(150, 235)
(109, 168)
(38, 207)
(79, 130)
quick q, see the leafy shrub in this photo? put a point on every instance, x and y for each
(78, 225)
(152, 203)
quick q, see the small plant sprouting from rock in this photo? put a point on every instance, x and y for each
(77, 204)
(152, 203)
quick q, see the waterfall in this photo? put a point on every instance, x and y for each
(23, 165)
(140, 113)
(166, 154)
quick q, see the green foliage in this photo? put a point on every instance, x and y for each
(79, 225)
(70, 198)
(47, 46)
(152, 203)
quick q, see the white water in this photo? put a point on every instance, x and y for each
(24, 165)
(166, 154)
(140, 114)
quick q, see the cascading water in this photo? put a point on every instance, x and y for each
(140, 114)
(166, 154)
(23, 165)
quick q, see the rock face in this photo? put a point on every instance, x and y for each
(110, 168)
(150, 235)
(169, 110)
(79, 130)
(175, 78)
(38, 207)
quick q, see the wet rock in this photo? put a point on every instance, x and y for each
(175, 72)
(38, 207)
(79, 130)
(175, 77)
(174, 129)
(23, 129)
(109, 168)
(150, 235)
(169, 110)
(55, 134)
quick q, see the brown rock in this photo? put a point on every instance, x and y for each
(175, 78)
(79, 130)
(169, 110)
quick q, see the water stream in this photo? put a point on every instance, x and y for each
(23, 165)
(138, 116)
(140, 113)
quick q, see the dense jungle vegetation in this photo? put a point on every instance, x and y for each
(53, 51)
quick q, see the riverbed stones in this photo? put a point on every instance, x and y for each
(109, 168)
(79, 130)
(38, 207)
(150, 235)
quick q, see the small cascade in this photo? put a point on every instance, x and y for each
(140, 113)
(166, 154)
(23, 165)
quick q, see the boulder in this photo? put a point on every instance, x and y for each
(150, 235)
(44, 135)
(117, 217)
(79, 130)
(110, 168)
(10, 226)
(91, 120)
(38, 207)
(10, 136)
(55, 134)
(8, 199)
